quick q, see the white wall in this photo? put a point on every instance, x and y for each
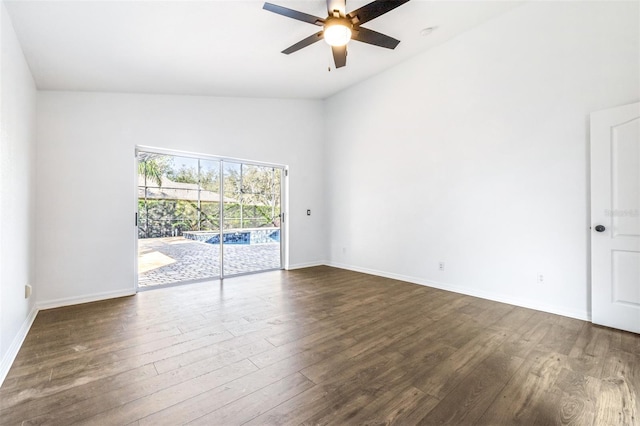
(86, 176)
(476, 154)
(17, 153)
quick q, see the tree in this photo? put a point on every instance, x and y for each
(257, 190)
(152, 166)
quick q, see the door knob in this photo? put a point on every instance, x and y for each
(600, 228)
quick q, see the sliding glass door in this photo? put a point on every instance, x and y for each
(202, 217)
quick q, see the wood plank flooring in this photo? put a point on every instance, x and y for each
(318, 346)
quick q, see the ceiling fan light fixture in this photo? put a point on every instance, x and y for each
(338, 28)
(337, 31)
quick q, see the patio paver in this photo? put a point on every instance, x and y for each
(176, 259)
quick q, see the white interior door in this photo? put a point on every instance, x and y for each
(615, 217)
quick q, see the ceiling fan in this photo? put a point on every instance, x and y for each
(339, 27)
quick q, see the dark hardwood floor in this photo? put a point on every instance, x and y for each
(318, 346)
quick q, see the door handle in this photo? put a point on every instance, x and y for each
(600, 228)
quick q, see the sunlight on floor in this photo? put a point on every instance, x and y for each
(152, 260)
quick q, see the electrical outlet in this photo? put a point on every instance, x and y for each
(27, 291)
(441, 266)
(540, 278)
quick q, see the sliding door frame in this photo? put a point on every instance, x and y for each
(284, 219)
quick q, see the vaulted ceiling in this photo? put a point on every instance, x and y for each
(218, 48)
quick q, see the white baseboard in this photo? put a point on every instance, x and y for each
(16, 344)
(306, 265)
(581, 315)
(58, 303)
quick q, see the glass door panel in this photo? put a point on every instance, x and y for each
(177, 200)
(252, 200)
